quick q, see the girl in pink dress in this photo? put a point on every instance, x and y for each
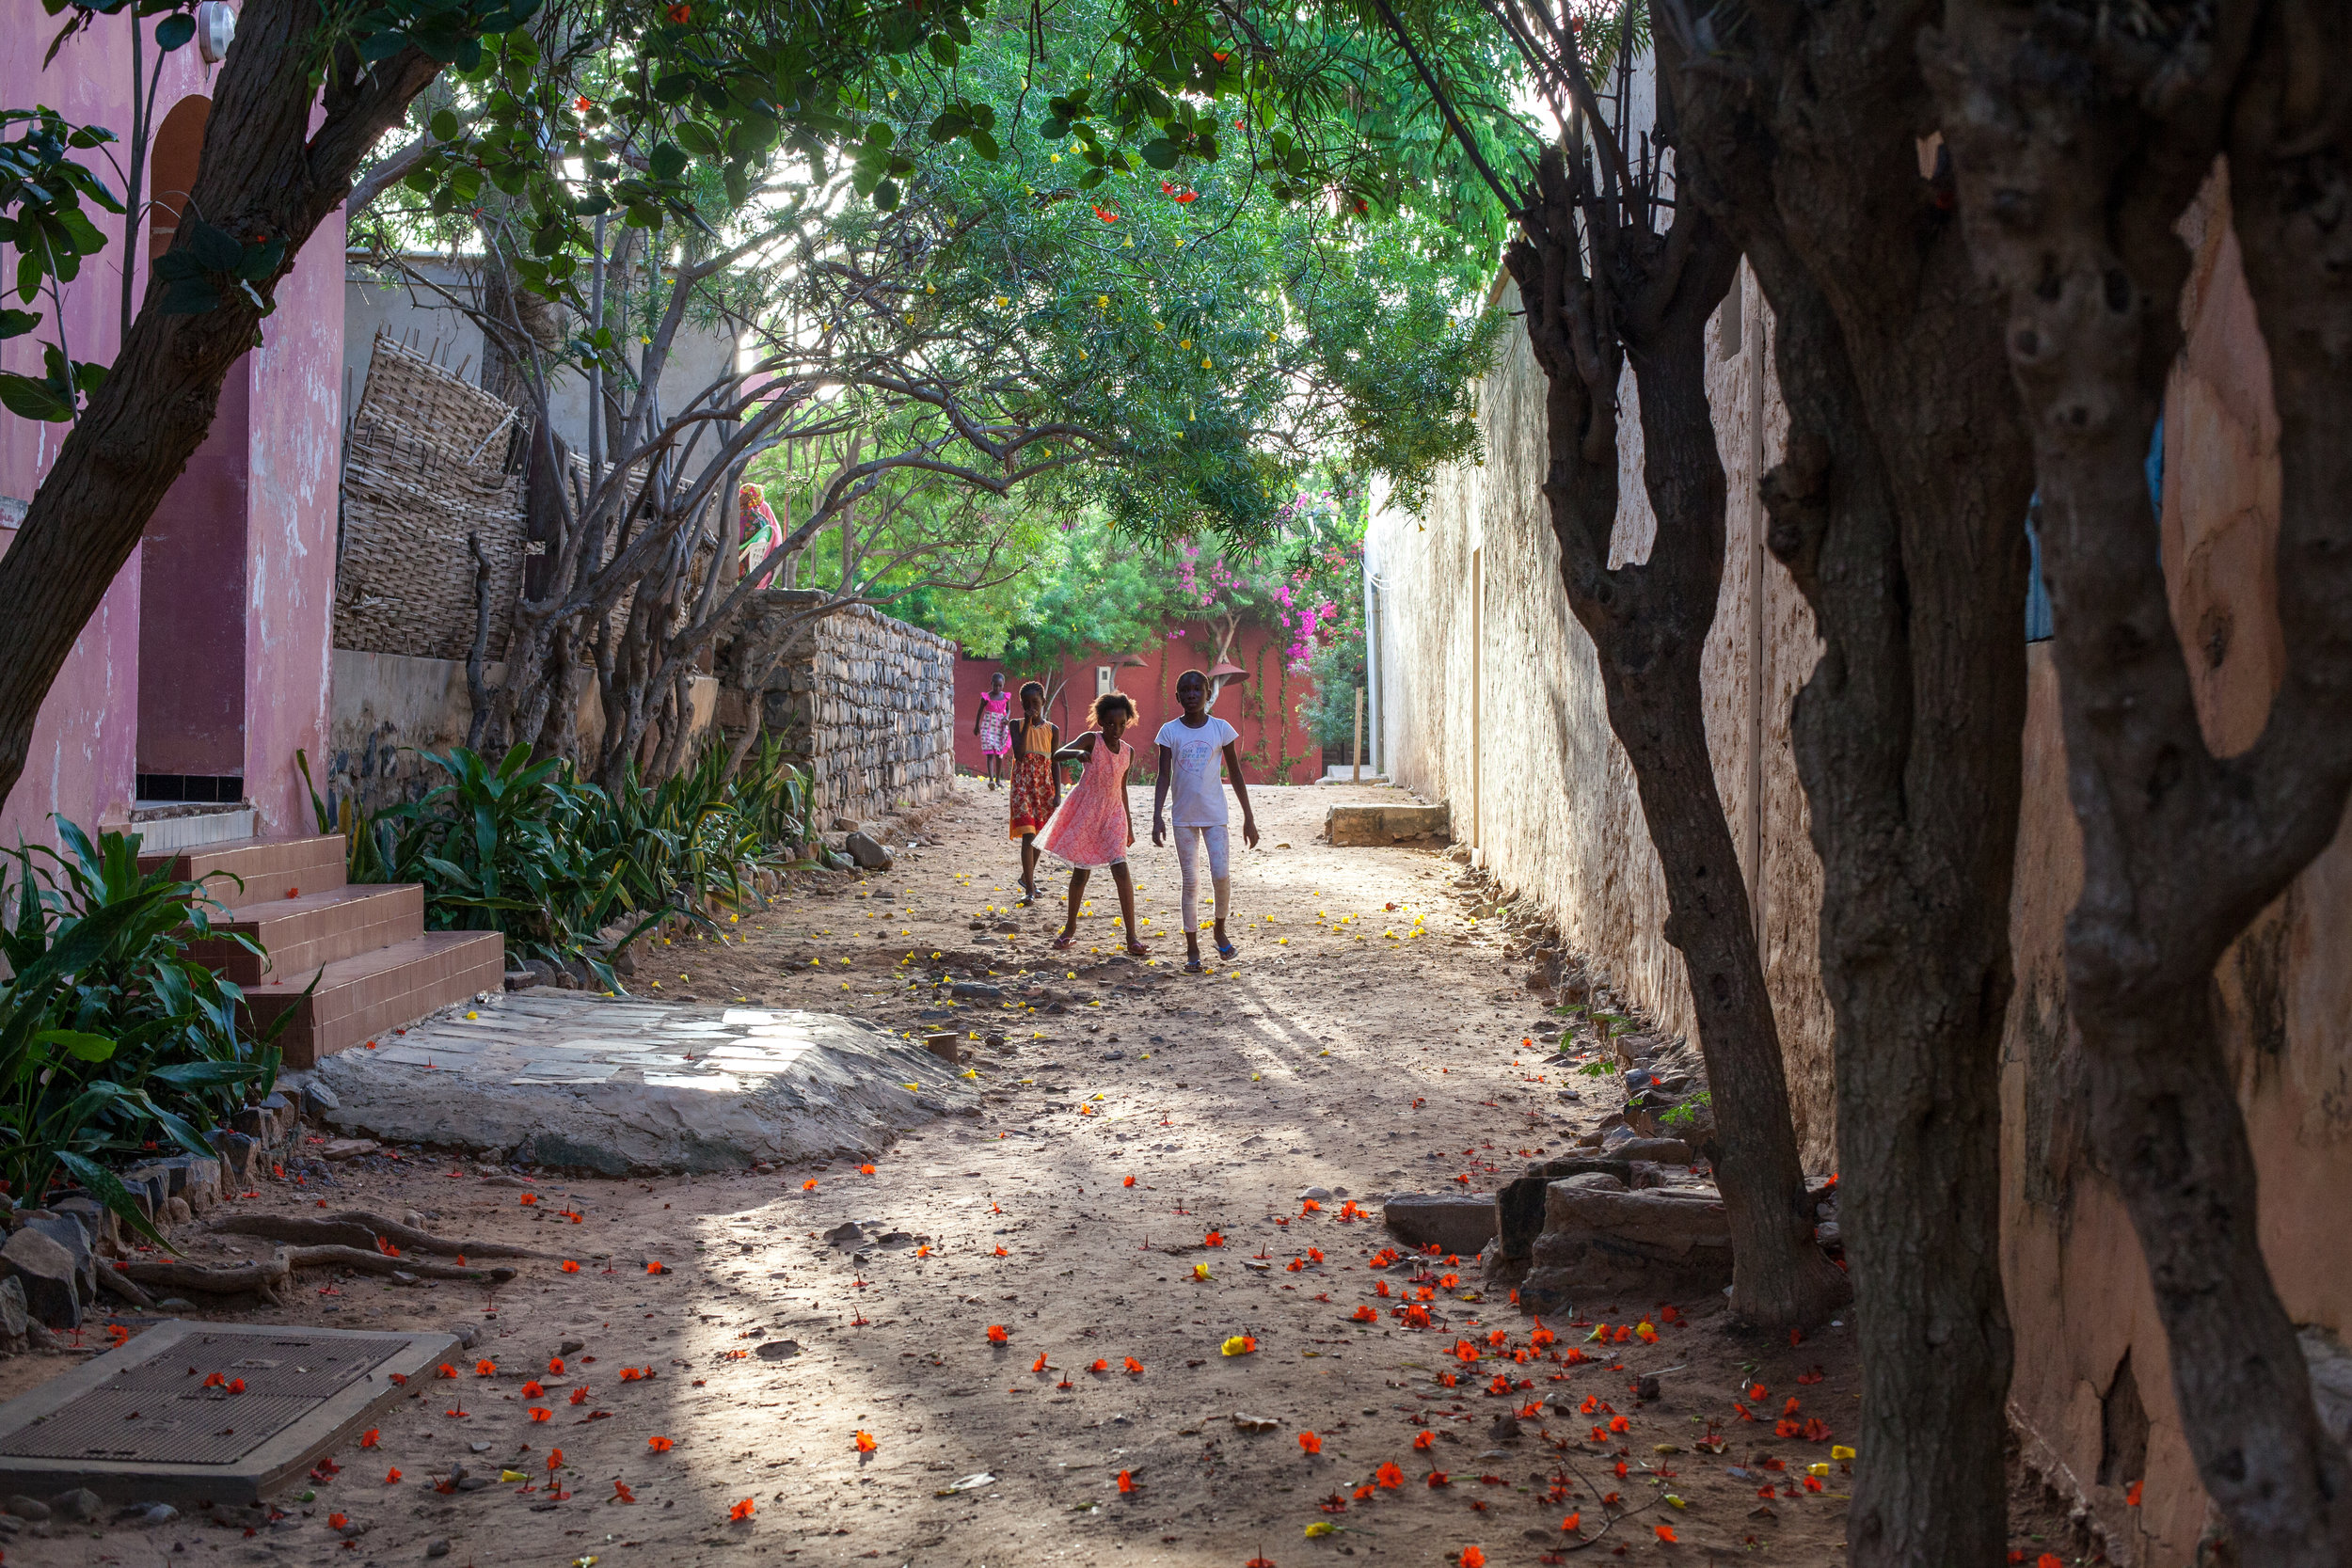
(1090, 829)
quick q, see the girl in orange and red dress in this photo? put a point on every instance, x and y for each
(1036, 782)
(1091, 828)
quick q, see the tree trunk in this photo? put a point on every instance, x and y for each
(1649, 624)
(1900, 510)
(263, 175)
(2076, 162)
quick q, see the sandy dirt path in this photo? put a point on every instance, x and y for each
(1341, 1051)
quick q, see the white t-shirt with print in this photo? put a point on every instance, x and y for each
(1196, 784)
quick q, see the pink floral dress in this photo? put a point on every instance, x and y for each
(1089, 829)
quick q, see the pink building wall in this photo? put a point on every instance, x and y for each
(296, 435)
(1275, 748)
(85, 754)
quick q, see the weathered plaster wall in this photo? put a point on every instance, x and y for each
(297, 453)
(1491, 699)
(2079, 1293)
(82, 759)
(1531, 769)
(390, 708)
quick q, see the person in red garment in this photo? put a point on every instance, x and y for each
(1036, 782)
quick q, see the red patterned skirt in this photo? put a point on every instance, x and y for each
(1034, 797)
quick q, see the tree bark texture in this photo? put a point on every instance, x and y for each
(2078, 153)
(265, 175)
(1899, 510)
(1648, 301)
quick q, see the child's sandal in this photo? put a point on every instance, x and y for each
(1226, 949)
(1192, 966)
(1136, 949)
(1063, 943)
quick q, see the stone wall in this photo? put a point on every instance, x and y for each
(1487, 695)
(864, 702)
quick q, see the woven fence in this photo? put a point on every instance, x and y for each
(429, 461)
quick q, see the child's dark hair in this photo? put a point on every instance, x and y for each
(1194, 675)
(1111, 702)
(1027, 687)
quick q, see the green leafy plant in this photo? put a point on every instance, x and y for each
(1686, 1116)
(111, 1038)
(529, 850)
(42, 187)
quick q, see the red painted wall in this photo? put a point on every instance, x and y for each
(1265, 708)
(192, 603)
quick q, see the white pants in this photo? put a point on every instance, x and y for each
(1187, 839)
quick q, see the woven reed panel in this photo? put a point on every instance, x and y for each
(424, 466)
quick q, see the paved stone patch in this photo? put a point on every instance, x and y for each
(563, 1079)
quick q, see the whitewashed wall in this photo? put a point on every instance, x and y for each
(1515, 733)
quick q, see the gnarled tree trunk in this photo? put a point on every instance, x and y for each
(1900, 510)
(265, 175)
(2078, 153)
(1648, 301)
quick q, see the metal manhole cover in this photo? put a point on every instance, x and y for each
(296, 1365)
(164, 1418)
(161, 1429)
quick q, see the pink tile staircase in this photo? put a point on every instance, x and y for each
(376, 965)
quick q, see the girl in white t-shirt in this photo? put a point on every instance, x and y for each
(1190, 749)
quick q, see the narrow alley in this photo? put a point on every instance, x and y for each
(1140, 1307)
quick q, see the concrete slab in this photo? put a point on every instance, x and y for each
(138, 1424)
(570, 1079)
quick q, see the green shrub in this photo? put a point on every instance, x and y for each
(532, 851)
(1328, 715)
(111, 1039)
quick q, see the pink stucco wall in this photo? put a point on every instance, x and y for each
(85, 746)
(289, 581)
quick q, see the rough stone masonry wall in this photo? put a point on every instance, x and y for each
(1532, 770)
(865, 703)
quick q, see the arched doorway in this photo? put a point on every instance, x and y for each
(193, 580)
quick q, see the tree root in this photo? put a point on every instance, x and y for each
(117, 1283)
(367, 1261)
(272, 1277)
(360, 1228)
(266, 1278)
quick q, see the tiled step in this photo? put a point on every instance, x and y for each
(271, 868)
(300, 934)
(361, 997)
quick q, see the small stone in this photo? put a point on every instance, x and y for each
(28, 1508)
(868, 854)
(571, 1347)
(349, 1148)
(777, 1350)
(1313, 1195)
(80, 1504)
(1505, 1425)
(317, 1098)
(160, 1513)
(437, 1546)
(845, 1234)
